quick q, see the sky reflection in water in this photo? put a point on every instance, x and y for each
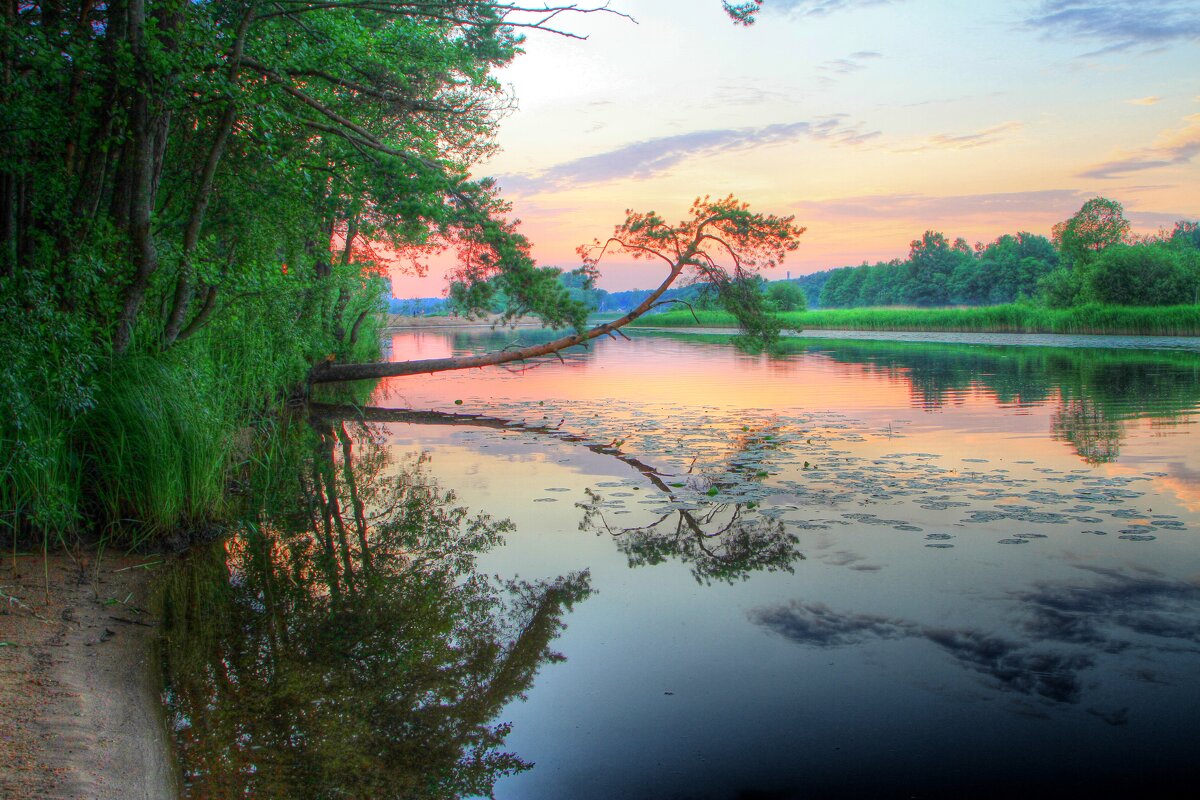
(983, 570)
(860, 569)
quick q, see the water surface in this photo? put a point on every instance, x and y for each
(858, 568)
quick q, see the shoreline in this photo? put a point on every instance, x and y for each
(80, 714)
(1090, 320)
(995, 339)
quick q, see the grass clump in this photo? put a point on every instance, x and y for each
(155, 448)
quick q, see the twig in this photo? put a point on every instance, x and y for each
(138, 566)
(16, 602)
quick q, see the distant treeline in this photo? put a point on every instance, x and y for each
(938, 273)
(1091, 258)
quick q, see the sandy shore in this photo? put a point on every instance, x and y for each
(79, 702)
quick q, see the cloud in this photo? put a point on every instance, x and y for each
(1118, 24)
(1173, 148)
(849, 64)
(746, 94)
(1145, 101)
(1063, 202)
(651, 157)
(966, 141)
(822, 8)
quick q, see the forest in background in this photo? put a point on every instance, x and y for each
(1091, 258)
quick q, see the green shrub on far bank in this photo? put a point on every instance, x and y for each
(1012, 318)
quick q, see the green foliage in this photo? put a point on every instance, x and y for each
(928, 271)
(1060, 288)
(177, 188)
(45, 383)
(744, 298)
(1075, 269)
(1098, 224)
(1153, 274)
(721, 243)
(786, 296)
(742, 13)
(154, 449)
(937, 272)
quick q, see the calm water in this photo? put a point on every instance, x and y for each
(856, 569)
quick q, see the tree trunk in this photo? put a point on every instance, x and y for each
(330, 373)
(141, 171)
(191, 236)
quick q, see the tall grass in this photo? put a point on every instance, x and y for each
(1012, 318)
(155, 449)
(154, 439)
(40, 481)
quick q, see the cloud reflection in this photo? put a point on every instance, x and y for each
(1012, 665)
(1096, 617)
(1145, 604)
(819, 625)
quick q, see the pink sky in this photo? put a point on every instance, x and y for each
(870, 121)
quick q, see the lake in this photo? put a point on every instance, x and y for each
(855, 568)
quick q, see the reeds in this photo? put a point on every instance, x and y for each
(155, 449)
(1011, 318)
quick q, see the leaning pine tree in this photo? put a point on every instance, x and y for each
(721, 242)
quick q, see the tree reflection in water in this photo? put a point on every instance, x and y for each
(721, 541)
(718, 540)
(1094, 435)
(342, 644)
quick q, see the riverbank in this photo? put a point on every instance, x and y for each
(1111, 320)
(80, 715)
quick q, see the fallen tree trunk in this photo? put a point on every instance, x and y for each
(718, 231)
(331, 372)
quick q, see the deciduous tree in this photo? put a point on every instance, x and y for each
(1098, 224)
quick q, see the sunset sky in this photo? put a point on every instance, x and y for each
(870, 120)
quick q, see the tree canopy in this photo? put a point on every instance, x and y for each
(1100, 223)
